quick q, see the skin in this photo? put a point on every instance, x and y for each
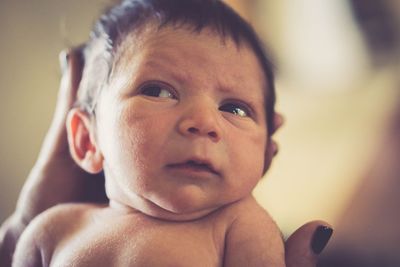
(201, 83)
(170, 133)
(54, 159)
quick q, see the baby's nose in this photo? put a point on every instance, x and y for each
(200, 121)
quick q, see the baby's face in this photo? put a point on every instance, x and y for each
(182, 126)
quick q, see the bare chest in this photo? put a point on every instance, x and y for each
(141, 244)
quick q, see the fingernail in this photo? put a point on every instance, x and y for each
(64, 57)
(321, 237)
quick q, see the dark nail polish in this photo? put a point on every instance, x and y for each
(320, 238)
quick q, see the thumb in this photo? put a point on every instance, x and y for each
(306, 243)
(72, 64)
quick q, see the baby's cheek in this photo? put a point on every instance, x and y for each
(246, 162)
(252, 148)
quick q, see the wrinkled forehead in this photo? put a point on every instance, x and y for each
(170, 44)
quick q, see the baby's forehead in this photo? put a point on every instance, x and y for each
(172, 47)
(205, 61)
(167, 37)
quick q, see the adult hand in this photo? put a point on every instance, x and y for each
(306, 243)
(55, 178)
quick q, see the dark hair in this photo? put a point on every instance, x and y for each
(131, 15)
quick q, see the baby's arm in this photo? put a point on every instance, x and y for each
(27, 252)
(40, 238)
(253, 239)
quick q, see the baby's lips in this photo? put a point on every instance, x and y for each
(197, 162)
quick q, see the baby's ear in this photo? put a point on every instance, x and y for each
(82, 144)
(272, 147)
(270, 151)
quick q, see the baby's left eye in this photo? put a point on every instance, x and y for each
(157, 90)
(236, 109)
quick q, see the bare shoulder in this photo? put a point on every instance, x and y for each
(46, 230)
(248, 209)
(253, 238)
(60, 219)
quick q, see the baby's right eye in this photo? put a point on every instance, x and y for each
(157, 90)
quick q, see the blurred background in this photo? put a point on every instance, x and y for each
(338, 66)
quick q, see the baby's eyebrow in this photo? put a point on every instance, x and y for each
(179, 76)
(225, 89)
(167, 68)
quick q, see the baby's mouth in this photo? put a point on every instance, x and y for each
(194, 165)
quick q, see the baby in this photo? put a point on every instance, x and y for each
(176, 106)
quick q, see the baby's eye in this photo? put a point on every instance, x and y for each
(156, 90)
(236, 109)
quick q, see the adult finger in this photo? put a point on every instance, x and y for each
(306, 243)
(71, 63)
(55, 142)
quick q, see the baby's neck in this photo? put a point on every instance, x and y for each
(122, 208)
(151, 210)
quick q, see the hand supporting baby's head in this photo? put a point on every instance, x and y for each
(176, 105)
